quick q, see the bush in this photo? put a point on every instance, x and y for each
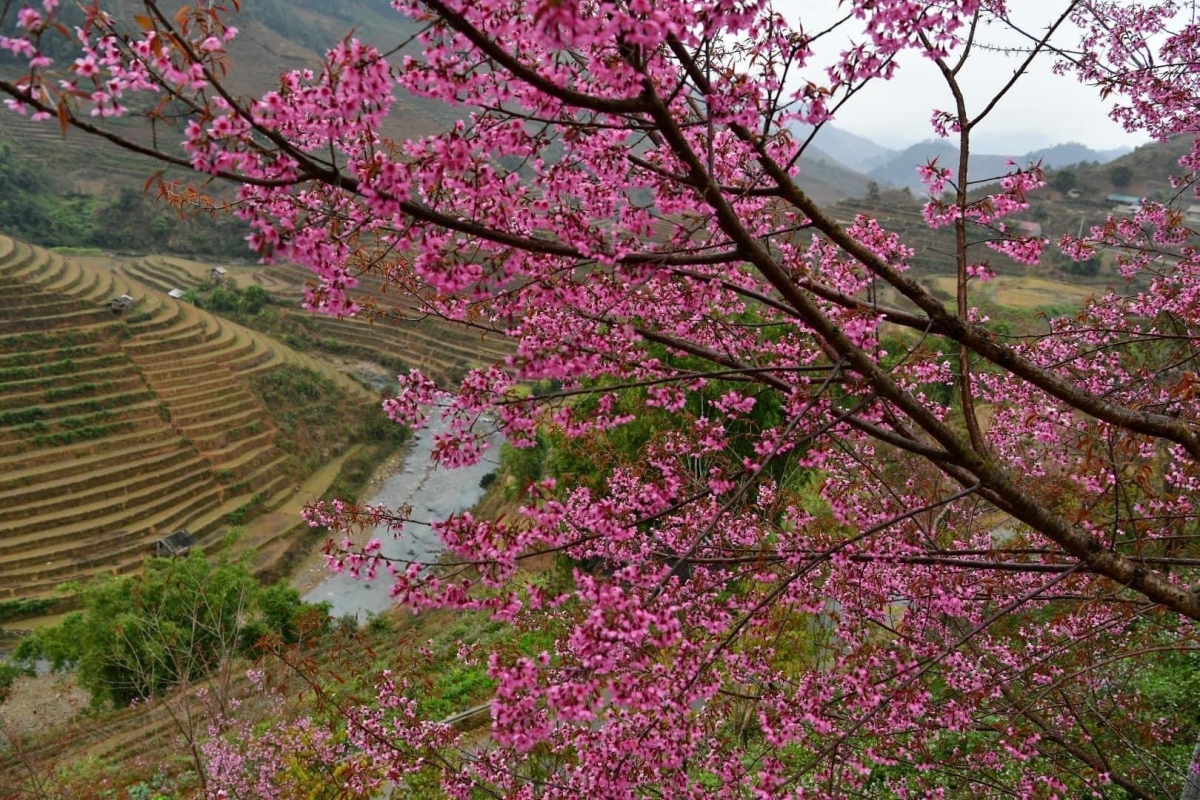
(22, 416)
(21, 609)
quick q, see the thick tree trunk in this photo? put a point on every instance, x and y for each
(1191, 783)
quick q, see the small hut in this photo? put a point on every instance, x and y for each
(217, 274)
(120, 305)
(178, 543)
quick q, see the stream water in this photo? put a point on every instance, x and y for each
(433, 494)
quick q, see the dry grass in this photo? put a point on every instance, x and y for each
(1035, 292)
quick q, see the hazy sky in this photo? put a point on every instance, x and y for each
(1043, 108)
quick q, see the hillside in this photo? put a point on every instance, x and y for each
(82, 191)
(827, 180)
(1150, 168)
(395, 335)
(117, 429)
(854, 151)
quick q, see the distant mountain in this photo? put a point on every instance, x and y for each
(1062, 155)
(901, 169)
(854, 151)
(827, 179)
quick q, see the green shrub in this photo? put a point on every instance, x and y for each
(22, 416)
(28, 607)
(55, 394)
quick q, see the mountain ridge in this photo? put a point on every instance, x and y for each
(893, 168)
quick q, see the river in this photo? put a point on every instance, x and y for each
(433, 494)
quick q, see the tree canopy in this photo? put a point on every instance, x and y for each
(884, 548)
(138, 636)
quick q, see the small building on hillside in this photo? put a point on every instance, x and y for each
(176, 293)
(1029, 228)
(120, 305)
(217, 274)
(179, 543)
(1125, 204)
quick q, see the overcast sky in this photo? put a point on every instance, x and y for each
(1043, 109)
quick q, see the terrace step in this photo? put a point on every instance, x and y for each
(119, 481)
(127, 557)
(219, 428)
(210, 339)
(186, 396)
(17, 295)
(271, 480)
(30, 356)
(141, 420)
(120, 383)
(175, 323)
(129, 493)
(82, 456)
(24, 262)
(132, 461)
(218, 442)
(44, 305)
(99, 291)
(120, 370)
(19, 342)
(227, 417)
(70, 275)
(145, 407)
(216, 406)
(91, 316)
(230, 453)
(100, 516)
(195, 360)
(210, 527)
(82, 406)
(7, 244)
(251, 463)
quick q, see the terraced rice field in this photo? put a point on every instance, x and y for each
(1025, 292)
(95, 163)
(439, 348)
(116, 430)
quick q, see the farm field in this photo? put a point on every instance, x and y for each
(1023, 292)
(117, 429)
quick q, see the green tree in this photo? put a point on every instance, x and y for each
(177, 622)
(1120, 175)
(160, 229)
(252, 300)
(1064, 180)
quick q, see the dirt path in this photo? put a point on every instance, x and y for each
(40, 704)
